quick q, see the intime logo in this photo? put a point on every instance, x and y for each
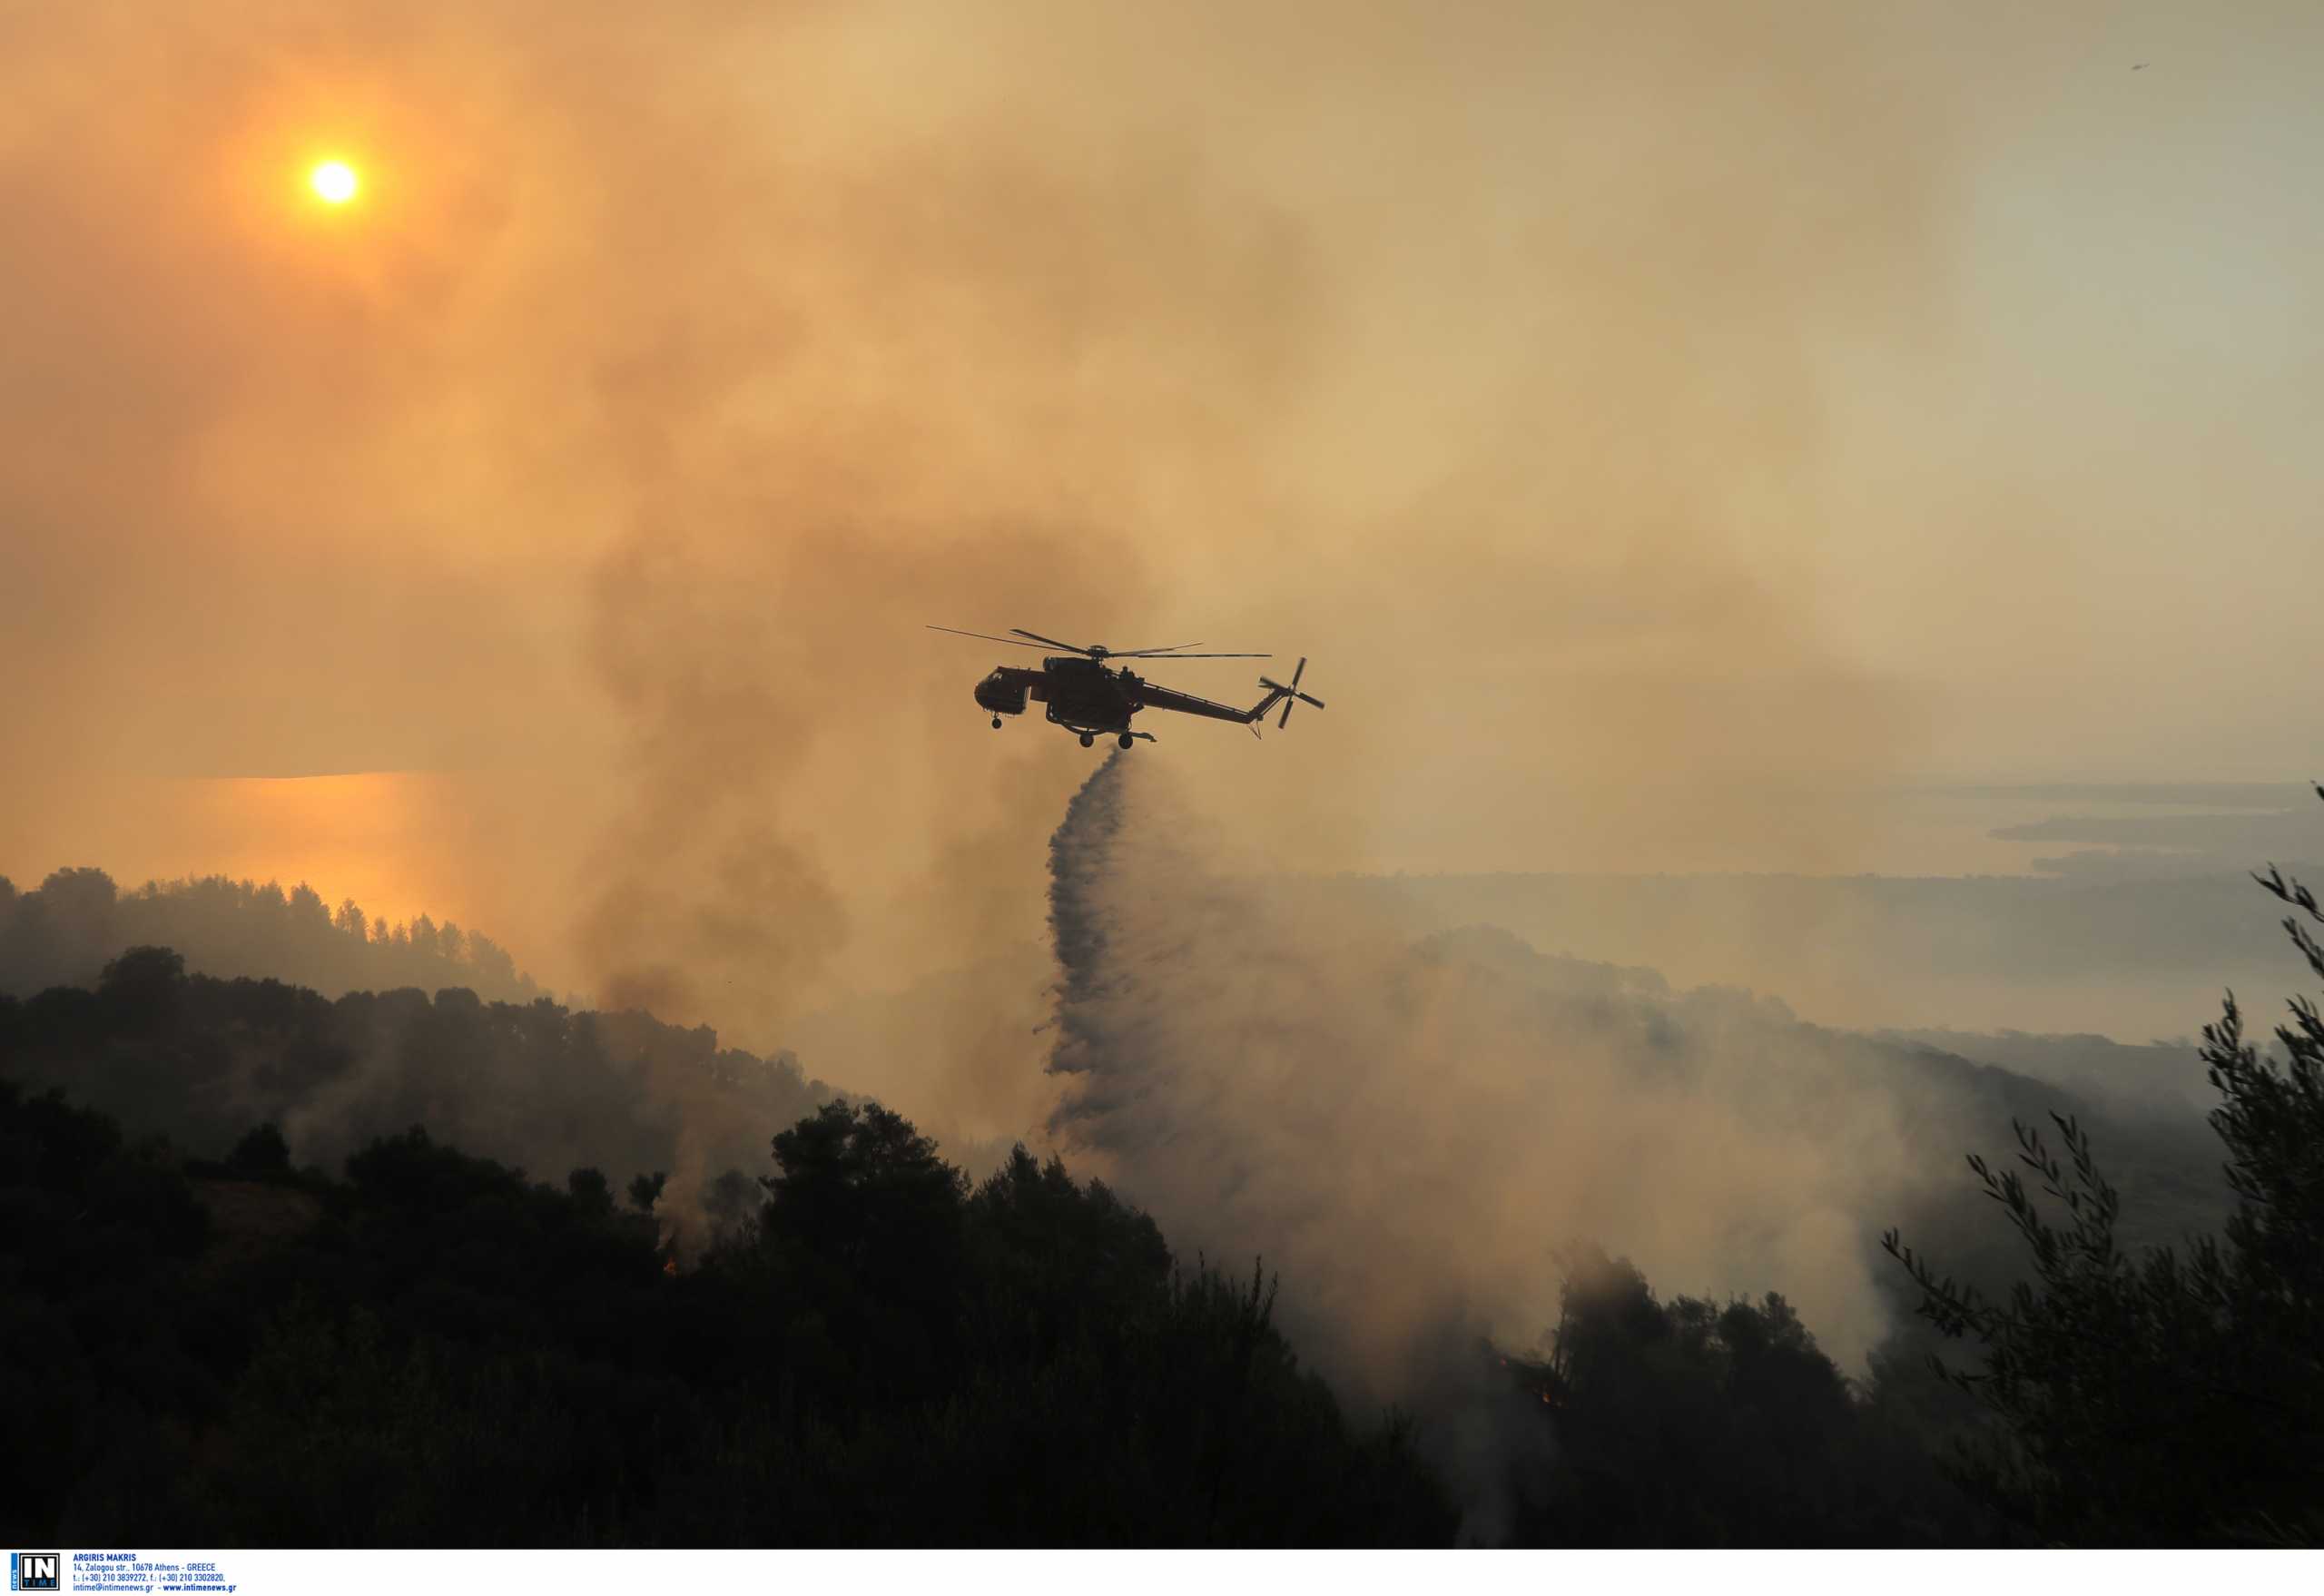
(32, 1570)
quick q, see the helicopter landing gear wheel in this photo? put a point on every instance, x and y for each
(996, 722)
(1124, 739)
(1087, 739)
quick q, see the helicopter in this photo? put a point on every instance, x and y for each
(1089, 697)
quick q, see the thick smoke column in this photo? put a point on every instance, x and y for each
(1412, 1134)
(1246, 1075)
(1159, 1102)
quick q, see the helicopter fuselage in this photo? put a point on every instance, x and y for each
(1082, 694)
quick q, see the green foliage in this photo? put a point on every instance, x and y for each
(2162, 1396)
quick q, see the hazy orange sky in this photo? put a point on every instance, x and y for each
(1657, 423)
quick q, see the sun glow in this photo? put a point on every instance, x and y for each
(335, 181)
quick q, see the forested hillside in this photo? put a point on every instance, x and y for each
(354, 1333)
(431, 1350)
(395, 1269)
(64, 930)
(199, 1060)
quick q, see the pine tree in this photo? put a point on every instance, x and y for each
(2162, 1397)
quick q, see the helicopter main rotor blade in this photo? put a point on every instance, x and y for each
(987, 637)
(1160, 654)
(1052, 642)
(1144, 653)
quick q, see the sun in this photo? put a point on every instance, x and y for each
(335, 181)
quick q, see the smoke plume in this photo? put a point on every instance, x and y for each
(1602, 394)
(1412, 1133)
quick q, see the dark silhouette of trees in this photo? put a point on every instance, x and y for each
(591, 1191)
(64, 933)
(861, 1349)
(1692, 1422)
(142, 986)
(261, 1155)
(1057, 1260)
(435, 1350)
(2162, 1395)
(865, 1214)
(645, 1190)
(431, 1346)
(533, 1084)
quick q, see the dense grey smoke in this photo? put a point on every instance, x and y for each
(1224, 1071)
(1412, 1132)
(1601, 394)
(1407, 1127)
(604, 460)
(199, 1061)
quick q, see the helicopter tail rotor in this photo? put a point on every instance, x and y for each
(1290, 694)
